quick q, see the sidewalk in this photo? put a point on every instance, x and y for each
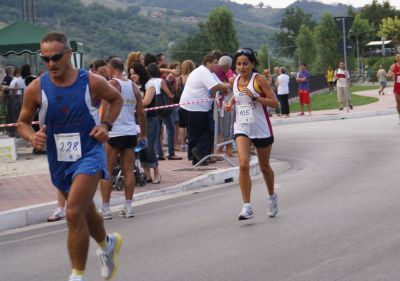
(27, 196)
(385, 105)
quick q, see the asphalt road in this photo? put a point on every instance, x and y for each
(339, 219)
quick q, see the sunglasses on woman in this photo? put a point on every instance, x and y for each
(53, 58)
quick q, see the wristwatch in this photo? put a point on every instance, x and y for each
(109, 125)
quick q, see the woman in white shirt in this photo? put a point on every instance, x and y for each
(282, 85)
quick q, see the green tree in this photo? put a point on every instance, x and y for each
(221, 31)
(325, 40)
(390, 29)
(193, 47)
(305, 50)
(264, 58)
(375, 12)
(293, 18)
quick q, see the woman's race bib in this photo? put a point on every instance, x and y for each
(245, 113)
(68, 147)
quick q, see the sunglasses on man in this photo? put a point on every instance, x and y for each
(53, 58)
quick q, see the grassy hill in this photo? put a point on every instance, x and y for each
(117, 27)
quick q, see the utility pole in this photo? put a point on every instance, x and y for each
(358, 55)
(29, 15)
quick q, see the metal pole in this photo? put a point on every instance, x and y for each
(33, 11)
(358, 56)
(27, 11)
(345, 63)
(269, 61)
(22, 9)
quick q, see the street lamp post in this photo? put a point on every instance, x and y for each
(294, 41)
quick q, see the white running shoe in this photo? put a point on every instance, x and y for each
(126, 212)
(76, 278)
(58, 214)
(272, 205)
(108, 256)
(246, 213)
(105, 213)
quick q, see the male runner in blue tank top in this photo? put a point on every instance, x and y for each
(70, 127)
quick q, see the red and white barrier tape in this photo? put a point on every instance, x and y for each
(146, 109)
(177, 104)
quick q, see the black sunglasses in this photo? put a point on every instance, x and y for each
(53, 58)
(244, 51)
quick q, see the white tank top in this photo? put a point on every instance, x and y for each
(125, 125)
(260, 125)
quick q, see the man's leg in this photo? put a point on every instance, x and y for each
(59, 213)
(205, 138)
(340, 95)
(106, 185)
(194, 129)
(301, 108)
(309, 108)
(80, 216)
(127, 159)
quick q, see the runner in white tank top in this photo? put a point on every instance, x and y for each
(123, 138)
(252, 95)
(252, 117)
(125, 125)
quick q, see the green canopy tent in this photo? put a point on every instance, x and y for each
(24, 38)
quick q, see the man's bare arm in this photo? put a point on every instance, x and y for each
(100, 88)
(30, 105)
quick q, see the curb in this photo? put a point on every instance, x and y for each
(36, 214)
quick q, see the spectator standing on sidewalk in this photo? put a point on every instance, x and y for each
(342, 78)
(186, 68)
(224, 73)
(394, 72)
(272, 80)
(123, 138)
(329, 75)
(199, 84)
(252, 95)
(8, 104)
(71, 129)
(155, 86)
(282, 85)
(303, 79)
(382, 78)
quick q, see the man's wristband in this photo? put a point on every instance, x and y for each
(109, 125)
(253, 98)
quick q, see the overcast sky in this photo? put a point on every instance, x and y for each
(285, 3)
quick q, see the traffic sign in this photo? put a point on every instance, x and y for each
(349, 46)
(348, 22)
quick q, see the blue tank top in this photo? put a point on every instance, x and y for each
(69, 110)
